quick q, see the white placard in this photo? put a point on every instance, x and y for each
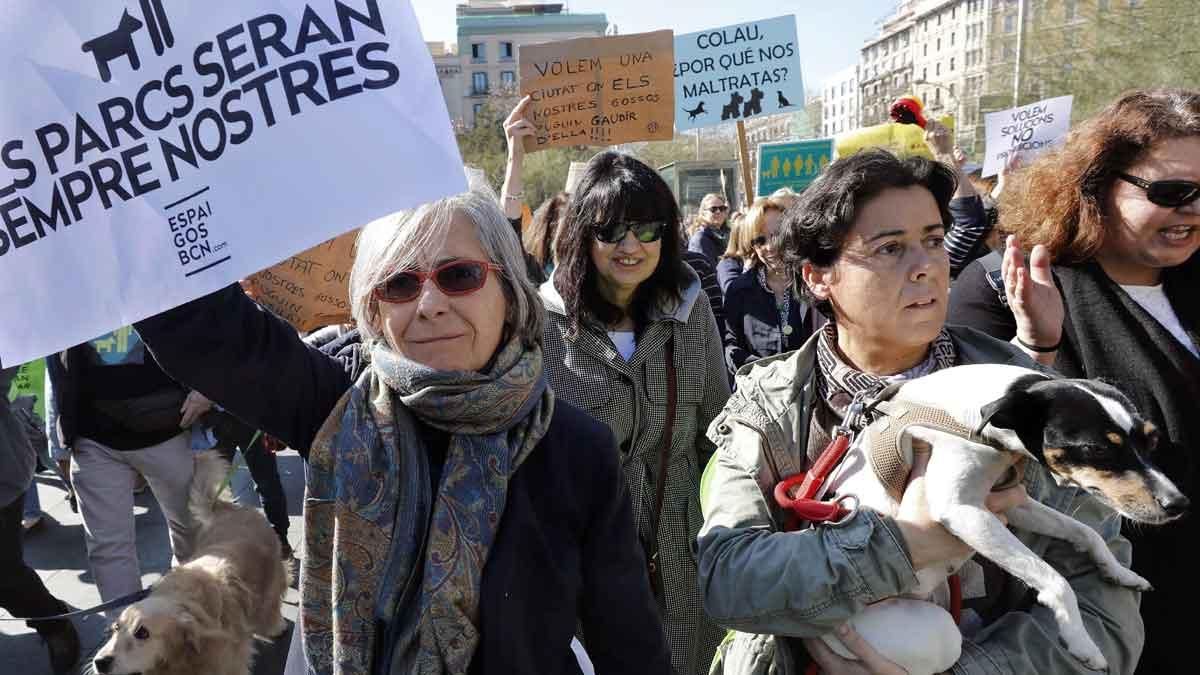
(152, 152)
(1028, 130)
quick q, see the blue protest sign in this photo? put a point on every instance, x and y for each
(737, 72)
(792, 164)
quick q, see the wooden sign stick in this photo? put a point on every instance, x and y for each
(744, 157)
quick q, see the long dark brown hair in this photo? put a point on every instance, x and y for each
(616, 187)
(538, 238)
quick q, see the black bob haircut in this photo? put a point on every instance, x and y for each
(617, 188)
(814, 229)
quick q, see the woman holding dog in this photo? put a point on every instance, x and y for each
(1117, 208)
(630, 338)
(458, 516)
(865, 245)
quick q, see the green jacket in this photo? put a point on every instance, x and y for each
(764, 582)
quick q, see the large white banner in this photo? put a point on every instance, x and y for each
(1026, 131)
(152, 152)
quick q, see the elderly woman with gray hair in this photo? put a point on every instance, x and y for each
(458, 518)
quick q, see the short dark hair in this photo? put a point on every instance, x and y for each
(616, 187)
(814, 229)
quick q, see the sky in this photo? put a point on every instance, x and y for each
(830, 31)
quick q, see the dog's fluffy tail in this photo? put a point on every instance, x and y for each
(208, 481)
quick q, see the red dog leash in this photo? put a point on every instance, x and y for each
(797, 495)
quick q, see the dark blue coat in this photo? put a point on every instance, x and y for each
(752, 329)
(566, 553)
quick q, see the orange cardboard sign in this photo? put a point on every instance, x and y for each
(600, 91)
(310, 289)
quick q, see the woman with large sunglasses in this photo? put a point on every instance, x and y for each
(709, 232)
(458, 516)
(631, 339)
(764, 316)
(1118, 209)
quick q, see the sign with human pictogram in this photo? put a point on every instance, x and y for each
(791, 164)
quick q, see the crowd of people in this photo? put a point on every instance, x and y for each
(552, 447)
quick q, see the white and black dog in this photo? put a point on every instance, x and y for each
(1086, 433)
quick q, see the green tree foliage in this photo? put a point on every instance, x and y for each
(1095, 50)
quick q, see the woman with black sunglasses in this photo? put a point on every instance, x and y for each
(631, 339)
(1117, 207)
(459, 517)
(709, 232)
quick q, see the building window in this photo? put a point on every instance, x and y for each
(925, 51)
(952, 90)
(479, 84)
(952, 64)
(924, 73)
(478, 52)
(1010, 53)
(939, 18)
(937, 70)
(475, 110)
(506, 51)
(1010, 23)
(939, 44)
(508, 78)
(951, 39)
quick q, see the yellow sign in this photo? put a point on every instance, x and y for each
(905, 140)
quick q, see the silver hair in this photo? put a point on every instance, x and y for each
(409, 239)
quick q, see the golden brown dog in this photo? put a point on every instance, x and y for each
(202, 616)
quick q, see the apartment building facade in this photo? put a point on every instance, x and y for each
(490, 32)
(840, 98)
(938, 50)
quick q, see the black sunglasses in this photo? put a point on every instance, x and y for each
(458, 277)
(1170, 194)
(718, 209)
(646, 233)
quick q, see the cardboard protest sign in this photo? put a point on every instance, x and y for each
(310, 289)
(792, 164)
(599, 91)
(193, 144)
(905, 140)
(31, 381)
(1028, 130)
(737, 72)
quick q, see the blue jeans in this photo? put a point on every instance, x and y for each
(33, 503)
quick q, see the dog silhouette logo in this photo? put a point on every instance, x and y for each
(733, 109)
(754, 105)
(694, 112)
(113, 45)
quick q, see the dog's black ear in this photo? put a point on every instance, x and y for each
(1021, 409)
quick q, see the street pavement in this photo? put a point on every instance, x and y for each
(56, 550)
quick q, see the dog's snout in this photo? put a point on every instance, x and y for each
(103, 664)
(1174, 505)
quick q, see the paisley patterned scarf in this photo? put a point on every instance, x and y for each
(838, 382)
(392, 569)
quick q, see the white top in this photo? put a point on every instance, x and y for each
(625, 341)
(1154, 300)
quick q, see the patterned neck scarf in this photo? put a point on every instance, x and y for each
(838, 382)
(370, 465)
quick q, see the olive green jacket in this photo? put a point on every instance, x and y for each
(763, 582)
